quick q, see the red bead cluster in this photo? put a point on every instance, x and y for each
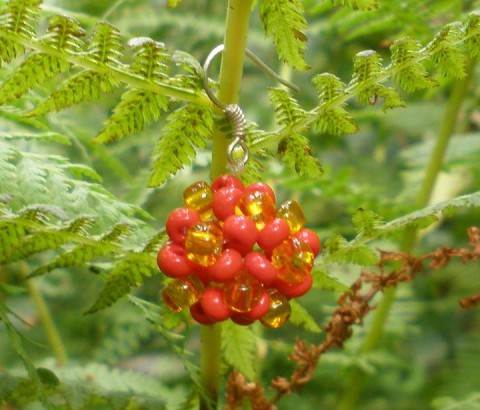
(232, 254)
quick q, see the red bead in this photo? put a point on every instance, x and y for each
(240, 233)
(179, 221)
(273, 234)
(311, 238)
(224, 201)
(259, 266)
(242, 319)
(242, 293)
(228, 264)
(261, 308)
(213, 305)
(258, 206)
(227, 181)
(261, 187)
(294, 290)
(199, 315)
(172, 261)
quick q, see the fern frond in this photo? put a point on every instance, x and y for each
(238, 348)
(82, 87)
(137, 107)
(63, 34)
(367, 71)
(445, 54)
(150, 60)
(471, 34)
(135, 110)
(130, 271)
(410, 74)
(284, 21)
(295, 152)
(301, 317)
(105, 45)
(331, 117)
(287, 110)
(17, 18)
(357, 4)
(187, 128)
(16, 341)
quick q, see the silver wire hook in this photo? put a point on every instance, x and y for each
(233, 111)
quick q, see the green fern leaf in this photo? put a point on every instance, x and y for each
(426, 216)
(17, 18)
(150, 58)
(15, 338)
(300, 317)
(471, 34)
(130, 271)
(136, 109)
(84, 86)
(295, 152)
(63, 34)
(283, 21)
(238, 348)
(367, 72)
(322, 280)
(287, 110)
(105, 45)
(357, 4)
(331, 117)
(194, 124)
(338, 250)
(366, 222)
(84, 253)
(408, 71)
(445, 54)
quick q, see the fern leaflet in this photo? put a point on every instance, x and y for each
(283, 21)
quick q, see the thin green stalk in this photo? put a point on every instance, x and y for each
(231, 71)
(238, 16)
(53, 335)
(375, 333)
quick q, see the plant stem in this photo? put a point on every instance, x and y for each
(238, 16)
(211, 342)
(51, 331)
(375, 333)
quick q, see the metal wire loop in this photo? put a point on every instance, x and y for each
(233, 112)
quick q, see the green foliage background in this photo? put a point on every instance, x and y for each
(87, 217)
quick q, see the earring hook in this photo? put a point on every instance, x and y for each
(233, 112)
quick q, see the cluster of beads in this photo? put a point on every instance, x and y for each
(233, 254)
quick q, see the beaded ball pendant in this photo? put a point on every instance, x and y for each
(233, 255)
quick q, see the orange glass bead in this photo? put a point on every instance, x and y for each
(204, 243)
(258, 206)
(242, 293)
(292, 212)
(182, 293)
(279, 311)
(199, 197)
(294, 259)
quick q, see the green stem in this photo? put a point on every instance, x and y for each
(238, 16)
(375, 333)
(211, 342)
(51, 331)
